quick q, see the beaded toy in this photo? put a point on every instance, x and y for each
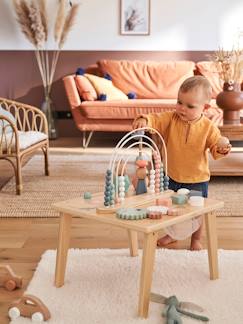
(115, 191)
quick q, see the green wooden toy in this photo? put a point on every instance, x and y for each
(131, 213)
(87, 195)
(174, 309)
(179, 199)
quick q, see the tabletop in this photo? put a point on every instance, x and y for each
(80, 207)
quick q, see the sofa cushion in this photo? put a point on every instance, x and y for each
(209, 70)
(85, 88)
(128, 109)
(104, 86)
(149, 80)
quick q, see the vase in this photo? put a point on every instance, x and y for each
(48, 109)
(230, 100)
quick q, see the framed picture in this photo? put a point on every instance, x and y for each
(134, 17)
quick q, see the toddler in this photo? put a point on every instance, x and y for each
(188, 135)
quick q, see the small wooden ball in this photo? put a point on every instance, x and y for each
(223, 142)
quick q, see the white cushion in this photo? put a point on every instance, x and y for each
(26, 139)
(4, 123)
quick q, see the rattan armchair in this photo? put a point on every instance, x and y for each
(28, 134)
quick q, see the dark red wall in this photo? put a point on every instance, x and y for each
(20, 78)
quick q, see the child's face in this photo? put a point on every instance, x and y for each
(190, 104)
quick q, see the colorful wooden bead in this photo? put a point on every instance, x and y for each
(179, 199)
(141, 173)
(174, 211)
(141, 163)
(154, 215)
(183, 191)
(164, 202)
(196, 201)
(161, 209)
(87, 195)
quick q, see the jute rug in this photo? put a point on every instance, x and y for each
(73, 174)
(101, 286)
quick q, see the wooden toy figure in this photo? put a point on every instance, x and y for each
(141, 174)
(174, 309)
(29, 306)
(9, 279)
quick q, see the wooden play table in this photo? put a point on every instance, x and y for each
(87, 209)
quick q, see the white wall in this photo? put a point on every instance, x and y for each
(175, 25)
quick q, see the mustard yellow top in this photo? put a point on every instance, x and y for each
(187, 145)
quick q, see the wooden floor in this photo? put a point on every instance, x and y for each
(22, 241)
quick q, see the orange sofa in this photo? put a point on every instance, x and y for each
(155, 85)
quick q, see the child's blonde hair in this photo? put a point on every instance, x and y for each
(197, 81)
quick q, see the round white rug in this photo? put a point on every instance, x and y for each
(101, 286)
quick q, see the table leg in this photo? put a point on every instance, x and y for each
(133, 242)
(149, 247)
(211, 230)
(62, 249)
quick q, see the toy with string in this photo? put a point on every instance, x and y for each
(114, 193)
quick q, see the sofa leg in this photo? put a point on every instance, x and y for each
(86, 141)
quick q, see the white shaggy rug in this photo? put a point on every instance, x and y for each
(102, 286)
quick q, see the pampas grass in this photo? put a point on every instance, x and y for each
(59, 21)
(22, 13)
(229, 64)
(32, 18)
(68, 24)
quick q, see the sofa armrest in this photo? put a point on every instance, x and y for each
(72, 92)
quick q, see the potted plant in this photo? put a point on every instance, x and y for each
(229, 66)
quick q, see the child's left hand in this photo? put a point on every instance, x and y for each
(224, 150)
(223, 145)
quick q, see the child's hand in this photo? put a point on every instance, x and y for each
(139, 123)
(224, 150)
(223, 145)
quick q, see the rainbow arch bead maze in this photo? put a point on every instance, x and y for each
(114, 192)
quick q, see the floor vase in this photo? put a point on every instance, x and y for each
(49, 110)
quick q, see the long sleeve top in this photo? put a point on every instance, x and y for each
(188, 144)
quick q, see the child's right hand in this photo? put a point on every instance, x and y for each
(139, 123)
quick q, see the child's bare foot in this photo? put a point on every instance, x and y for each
(195, 245)
(165, 240)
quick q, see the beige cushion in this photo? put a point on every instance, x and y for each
(104, 86)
